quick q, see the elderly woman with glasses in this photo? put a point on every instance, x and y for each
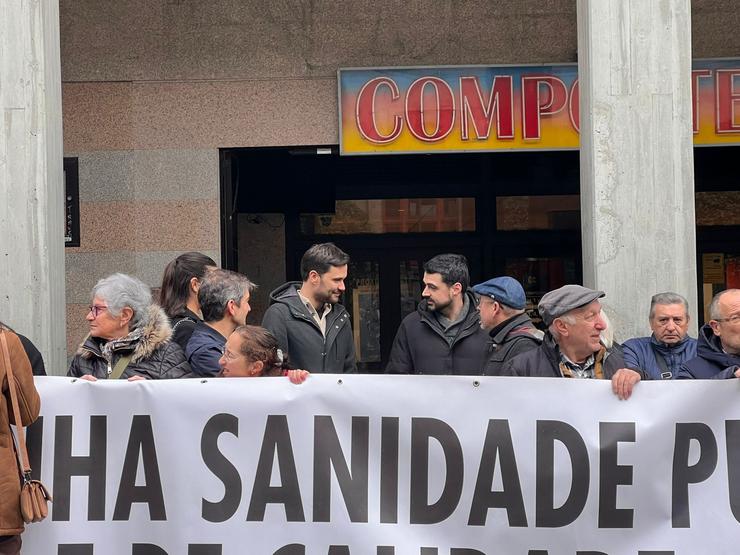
(129, 336)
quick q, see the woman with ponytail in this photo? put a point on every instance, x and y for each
(178, 295)
(252, 351)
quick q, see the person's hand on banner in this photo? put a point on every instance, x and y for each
(90, 378)
(623, 381)
(297, 376)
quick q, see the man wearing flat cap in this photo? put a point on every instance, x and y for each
(572, 346)
(511, 331)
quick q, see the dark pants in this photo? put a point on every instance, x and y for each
(10, 545)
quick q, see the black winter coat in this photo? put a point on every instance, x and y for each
(300, 337)
(34, 356)
(711, 361)
(154, 355)
(183, 326)
(544, 362)
(516, 336)
(420, 346)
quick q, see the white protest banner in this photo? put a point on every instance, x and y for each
(387, 465)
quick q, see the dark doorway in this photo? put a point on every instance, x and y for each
(508, 213)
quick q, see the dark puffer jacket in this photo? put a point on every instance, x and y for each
(642, 353)
(154, 355)
(544, 362)
(420, 346)
(183, 326)
(513, 337)
(711, 361)
(299, 335)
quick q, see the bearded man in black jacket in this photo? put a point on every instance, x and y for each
(444, 335)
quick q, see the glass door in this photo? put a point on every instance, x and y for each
(362, 300)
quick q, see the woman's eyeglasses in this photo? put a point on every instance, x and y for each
(96, 309)
(228, 355)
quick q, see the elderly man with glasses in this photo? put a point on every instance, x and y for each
(718, 353)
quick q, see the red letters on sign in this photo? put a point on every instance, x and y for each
(429, 106)
(695, 76)
(365, 111)
(422, 93)
(536, 103)
(574, 106)
(728, 97)
(473, 107)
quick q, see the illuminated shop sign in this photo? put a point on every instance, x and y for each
(485, 108)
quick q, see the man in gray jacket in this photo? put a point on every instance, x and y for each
(306, 317)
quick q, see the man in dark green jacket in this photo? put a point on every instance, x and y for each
(306, 317)
(444, 335)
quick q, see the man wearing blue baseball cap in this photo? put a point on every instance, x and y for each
(502, 315)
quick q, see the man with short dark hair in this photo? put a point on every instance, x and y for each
(662, 354)
(224, 303)
(572, 346)
(510, 330)
(718, 352)
(306, 317)
(444, 335)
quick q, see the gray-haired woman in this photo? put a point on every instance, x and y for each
(129, 336)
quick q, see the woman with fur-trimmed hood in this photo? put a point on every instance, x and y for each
(129, 336)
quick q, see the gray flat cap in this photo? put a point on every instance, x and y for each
(556, 303)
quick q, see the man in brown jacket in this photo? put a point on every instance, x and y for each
(11, 523)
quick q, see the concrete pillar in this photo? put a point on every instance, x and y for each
(637, 168)
(31, 177)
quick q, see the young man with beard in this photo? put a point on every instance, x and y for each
(306, 317)
(444, 335)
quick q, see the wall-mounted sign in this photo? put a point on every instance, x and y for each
(486, 108)
(71, 203)
(713, 267)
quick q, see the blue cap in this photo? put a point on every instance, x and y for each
(505, 290)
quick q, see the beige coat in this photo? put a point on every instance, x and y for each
(11, 522)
